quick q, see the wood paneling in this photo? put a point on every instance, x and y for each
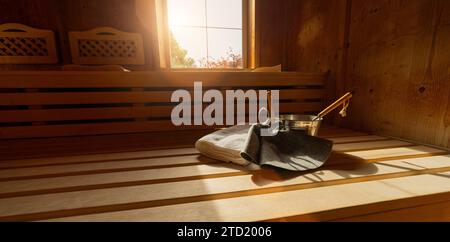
(313, 38)
(270, 25)
(62, 16)
(393, 54)
(55, 104)
(38, 14)
(305, 35)
(398, 66)
(81, 15)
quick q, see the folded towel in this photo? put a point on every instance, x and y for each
(243, 145)
(225, 145)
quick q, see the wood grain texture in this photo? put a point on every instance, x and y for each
(424, 213)
(176, 79)
(365, 178)
(88, 47)
(21, 44)
(313, 200)
(149, 163)
(399, 69)
(59, 104)
(270, 30)
(303, 35)
(62, 16)
(72, 146)
(188, 169)
(245, 185)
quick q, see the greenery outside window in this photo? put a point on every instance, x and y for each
(205, 34)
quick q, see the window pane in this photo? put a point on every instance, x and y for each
(205, 33)
(186, 12)
(225, 48)
(188, 47)
(225, 13)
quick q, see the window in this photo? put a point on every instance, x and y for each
(206, 34)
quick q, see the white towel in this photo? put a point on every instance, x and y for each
(225, 145)
(244, 145)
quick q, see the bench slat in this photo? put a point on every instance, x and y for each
(8, 164)
(357, 199)
(214, 187)
(68, 98)
(156, 79)
(89, 129)
(25, 100)
(149, 163)
(154, 112)
(196, 172)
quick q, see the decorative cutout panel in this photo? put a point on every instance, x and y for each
(106, 46)
(20, 44)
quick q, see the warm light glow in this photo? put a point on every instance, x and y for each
(209, 31)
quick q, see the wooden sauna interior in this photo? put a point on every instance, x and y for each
(83, 142)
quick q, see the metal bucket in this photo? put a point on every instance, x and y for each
(308, 123)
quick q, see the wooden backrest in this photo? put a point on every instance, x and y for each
(20, 44)
(53, 104)
(106, 46)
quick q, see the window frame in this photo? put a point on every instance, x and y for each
(248, 38)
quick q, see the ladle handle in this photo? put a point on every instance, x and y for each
(335, 105)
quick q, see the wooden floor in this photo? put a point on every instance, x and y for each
(368, 178)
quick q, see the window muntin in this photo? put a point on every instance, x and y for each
(206, 33)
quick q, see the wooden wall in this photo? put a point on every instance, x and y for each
(398, 65)
(270, 32)
(303, 35)
(62, 16)
(394, 54)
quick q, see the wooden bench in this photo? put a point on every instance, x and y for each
(368, 178)
(104, 150)
(59, 104)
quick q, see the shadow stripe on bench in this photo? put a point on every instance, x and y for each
(56, 161)
(154, 163)
(167, 175)
(364, 194)
(221, 188)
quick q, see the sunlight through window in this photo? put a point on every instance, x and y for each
(206, 33)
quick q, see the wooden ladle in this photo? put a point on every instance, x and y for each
(344, 100)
